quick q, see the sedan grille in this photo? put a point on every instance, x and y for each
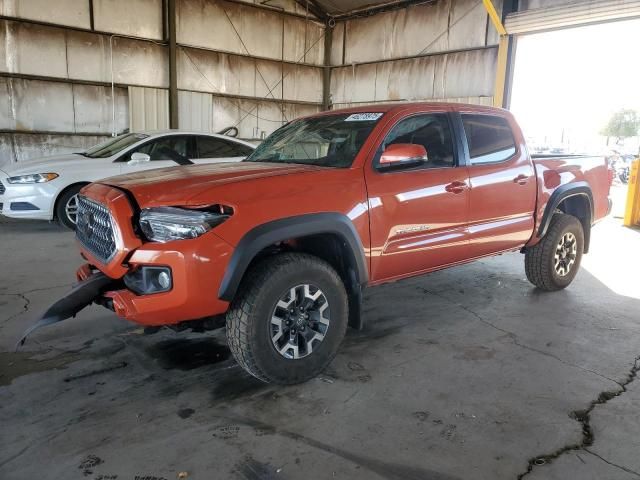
(95, 229)
(2, 189)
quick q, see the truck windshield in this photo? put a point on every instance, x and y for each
(326, 141)
(114, 145)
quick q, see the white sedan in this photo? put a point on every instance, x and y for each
(47, 188)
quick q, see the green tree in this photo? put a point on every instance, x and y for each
(622, 124)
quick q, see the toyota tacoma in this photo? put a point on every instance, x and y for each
(278, 248)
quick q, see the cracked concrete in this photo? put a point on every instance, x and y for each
(466, 373)
(514, 338)
(584, 418)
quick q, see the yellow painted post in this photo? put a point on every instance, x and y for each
(501, 71)
(503, 54)
(632, 209)
(495, 18)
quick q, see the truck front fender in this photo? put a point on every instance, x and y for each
(270, 233)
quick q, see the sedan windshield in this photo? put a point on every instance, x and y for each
(326, 141)
(114, 145)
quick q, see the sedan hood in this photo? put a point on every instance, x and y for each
(184, 185)
(45, 164)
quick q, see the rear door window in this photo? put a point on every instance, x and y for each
(156, 149)
(489, 138)
(211, 147)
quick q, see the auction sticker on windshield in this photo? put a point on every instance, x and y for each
(363, 117)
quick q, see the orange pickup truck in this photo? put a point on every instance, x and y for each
(280, 246)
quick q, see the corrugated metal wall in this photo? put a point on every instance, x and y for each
(56, 71)
(243, 63)
(426, 52)
(252, 66)
(148, 108)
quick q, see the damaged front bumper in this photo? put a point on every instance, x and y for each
(84, 293)
(194, 273)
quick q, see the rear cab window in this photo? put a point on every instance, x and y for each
(489, 138)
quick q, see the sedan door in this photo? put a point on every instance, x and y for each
(157, 149)
(210, 149)
(418, 215)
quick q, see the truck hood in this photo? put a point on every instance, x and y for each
(176, 186)
(54, 163)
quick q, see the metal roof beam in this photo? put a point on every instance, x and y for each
(375, 9)
(314, 9)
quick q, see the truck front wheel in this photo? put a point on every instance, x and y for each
(553, 263)
(288, 319)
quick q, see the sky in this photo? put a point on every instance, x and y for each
(572, 80)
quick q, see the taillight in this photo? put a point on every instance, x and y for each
(612, 174)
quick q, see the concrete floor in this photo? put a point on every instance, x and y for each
(468, 373)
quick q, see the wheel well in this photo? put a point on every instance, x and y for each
(579, 207)
(331, 248)
(62, 192)
(327, 246)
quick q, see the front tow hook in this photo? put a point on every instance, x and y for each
(83, 293)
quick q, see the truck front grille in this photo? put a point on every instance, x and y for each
(95, 229)
(2, 189)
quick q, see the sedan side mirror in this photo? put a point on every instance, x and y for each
(138, 158)
(403, 155)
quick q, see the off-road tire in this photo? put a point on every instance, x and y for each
(61, 213)
(539, 260)
(248, 319)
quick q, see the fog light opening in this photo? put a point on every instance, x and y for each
(145, 280)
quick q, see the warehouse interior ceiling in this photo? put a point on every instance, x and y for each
(352, 8)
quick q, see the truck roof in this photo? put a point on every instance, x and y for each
(403, 106)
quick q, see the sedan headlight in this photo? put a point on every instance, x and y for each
(164, 224)
(32, 178)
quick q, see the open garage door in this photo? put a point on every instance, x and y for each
(571, 15)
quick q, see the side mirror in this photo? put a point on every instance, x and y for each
(403, 155)
(138, 158)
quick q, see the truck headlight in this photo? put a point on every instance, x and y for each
(32, 178)
(164, 224)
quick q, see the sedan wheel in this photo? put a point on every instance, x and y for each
(71, 209)
(67, 207)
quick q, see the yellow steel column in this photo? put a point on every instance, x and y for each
(501, 71)
(503, 53)
(632, 210)
(495, 18)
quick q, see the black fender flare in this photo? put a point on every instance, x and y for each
(558, 196)
(270, 233)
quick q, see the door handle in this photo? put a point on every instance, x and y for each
(521, 179)
(456, 187)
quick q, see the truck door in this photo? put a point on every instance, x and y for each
(503, 184)
(418, 214)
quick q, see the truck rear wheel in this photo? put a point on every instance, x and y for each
(288, 319)
(553, 263)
